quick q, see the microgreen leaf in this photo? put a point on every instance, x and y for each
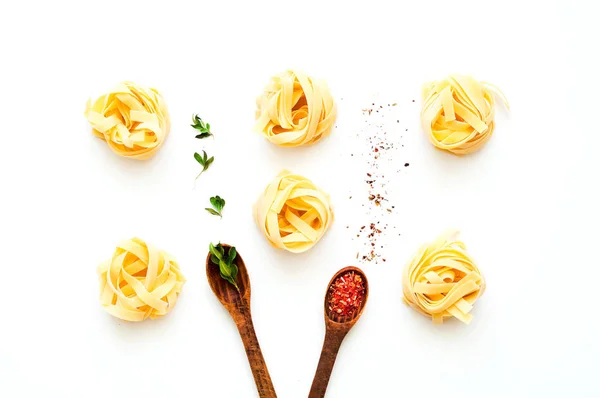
(202, 127)
(216, 251)
(204, 161)
(227, 267)
(231, 255)
(234, 273)
(217, 203)
(213, 212)
(224, 269)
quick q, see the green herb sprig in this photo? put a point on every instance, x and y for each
(202, 127)
(227, 267)
(218, 203)
(204, 161)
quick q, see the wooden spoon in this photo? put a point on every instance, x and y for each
(336, 328)
(238, 305)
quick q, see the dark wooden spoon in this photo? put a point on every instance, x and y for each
(238, 305)
(336, 328)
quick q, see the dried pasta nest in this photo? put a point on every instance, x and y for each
(442, 280)
(293, 213)
(139, 282)
(458, 113)
(134, 121)
(295, 110)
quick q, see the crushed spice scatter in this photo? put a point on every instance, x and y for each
(380, 140)
(346, 294)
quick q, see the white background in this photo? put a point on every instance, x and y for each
(527, 203)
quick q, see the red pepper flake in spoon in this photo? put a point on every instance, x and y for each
(346, 294)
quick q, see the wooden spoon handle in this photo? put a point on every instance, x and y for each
(258, 365)
(331, 346)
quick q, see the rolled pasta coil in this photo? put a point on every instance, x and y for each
(458, 113)
(442, 280)
(292, 213)
(139, 282)
(295, 110)
(134, 121)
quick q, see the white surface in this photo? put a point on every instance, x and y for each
(527, 204)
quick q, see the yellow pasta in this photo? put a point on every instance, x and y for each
(139, 282)
(458, 113)
(295, 110)
(133, 120)
(442, 280)
(293, 213)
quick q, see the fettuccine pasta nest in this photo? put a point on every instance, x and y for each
(293, 213)
(458, 113)
(134, 121)
(295, 110)
(442, 280)
(139, 282)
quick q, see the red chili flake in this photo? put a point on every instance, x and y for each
(346, 294)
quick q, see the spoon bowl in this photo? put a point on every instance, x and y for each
(336, 328)
(351, 320)
(238, 306)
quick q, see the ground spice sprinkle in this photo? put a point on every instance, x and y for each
(380, 149)
(346, 294)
